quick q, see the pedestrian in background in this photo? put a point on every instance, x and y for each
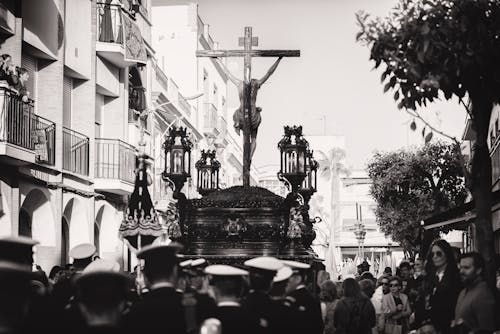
(329, 299)
(395, 309)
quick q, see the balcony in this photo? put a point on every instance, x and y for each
(75, 152)
(185, 106)
(24, 137)
(114, 166)
(118, 36)
(210, 121)
(222, 140)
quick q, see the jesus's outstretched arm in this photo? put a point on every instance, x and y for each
(270, 72)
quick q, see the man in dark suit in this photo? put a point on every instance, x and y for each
(227, 283)
(308, 306)
(161, 309)
(274, 315)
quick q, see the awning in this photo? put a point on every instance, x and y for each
(459, 218)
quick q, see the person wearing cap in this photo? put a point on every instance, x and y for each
(14, 296)
(192, 272)
(308, 306)
(100, 299)
(82, 256)
(363, 267)
(280, 282)
(228, 283)
(17, 249)
(274, 316)
(161, 309)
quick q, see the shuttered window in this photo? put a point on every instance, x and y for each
(30, 64)
(67, 89)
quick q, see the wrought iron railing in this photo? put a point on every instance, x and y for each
(75, 152)
(21, 127)
(115, 159)
(16, 118)
(109, 23)
(44, 140)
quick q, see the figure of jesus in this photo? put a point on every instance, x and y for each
(253, 86)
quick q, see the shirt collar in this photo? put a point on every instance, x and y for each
(229, 303)
(161, 285)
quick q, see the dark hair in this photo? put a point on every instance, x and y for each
(6, 56)
(395, 278)
(351, 288)
(366, 275)
(379, 281)
(328, 291)
(228, 285)
(405, 264)
(368, 287)
(156, 271)
(21, 71)
(387, 270)
(448, 252)
(54, 271)
(477, 258)
(261, 281)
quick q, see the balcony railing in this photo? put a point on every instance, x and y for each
(210, 117)
(185, 106)
(15, 126)
(109, 23)
(44, 140)
(75, 152)
(21, 127)
(161, 77)
(115, 159)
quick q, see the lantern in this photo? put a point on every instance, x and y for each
(177, 148)
(293, 147)
(208, 172)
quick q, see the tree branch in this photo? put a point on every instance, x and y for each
(466, 172)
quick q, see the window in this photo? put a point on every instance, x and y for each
(30, 63)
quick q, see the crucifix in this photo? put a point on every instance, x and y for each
(249, 118)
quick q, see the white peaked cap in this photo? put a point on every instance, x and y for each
(102, 265)
(224, 270)
(82, 251)
(283, 274)
(264, 263)
(185, 264)
(296, 265)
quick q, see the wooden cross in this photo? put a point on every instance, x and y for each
(247, 42)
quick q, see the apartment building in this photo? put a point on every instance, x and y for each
(68, 154)
(178, 33)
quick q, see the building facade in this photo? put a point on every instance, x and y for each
(68, 154)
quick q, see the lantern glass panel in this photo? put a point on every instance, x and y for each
(186, 165)
(301, 161)
(168, 165)
(177, 157)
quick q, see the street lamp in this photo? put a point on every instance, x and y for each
(208, 172)
(309, 185)
(177, 148)
(360, 231)
(293, 147)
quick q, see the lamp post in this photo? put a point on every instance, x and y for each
(309, 185)
(177, 148)
(360, 232)
(208, 172)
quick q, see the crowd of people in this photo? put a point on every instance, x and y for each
(14, 77)
(172, 294)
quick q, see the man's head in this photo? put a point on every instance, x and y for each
(82, 255)
(419, 265)
(298, 278)
(227, 281)
(405, 270)
(23, 74)
(384, 282)
(364, 266)
(160, 263)
(262, 271)
(471, 267)
(6, 60)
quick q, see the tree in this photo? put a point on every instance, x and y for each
(450, 48)
(409, 186)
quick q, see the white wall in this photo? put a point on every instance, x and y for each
(78, 47)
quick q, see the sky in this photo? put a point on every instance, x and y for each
(331, 89)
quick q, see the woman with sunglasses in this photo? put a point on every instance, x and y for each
(441, 288)
(395, 309)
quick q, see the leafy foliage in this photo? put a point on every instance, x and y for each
(409, 186)
(432, 46)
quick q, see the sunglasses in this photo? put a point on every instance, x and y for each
(394, 285)
(385, 283)
(438, 254)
